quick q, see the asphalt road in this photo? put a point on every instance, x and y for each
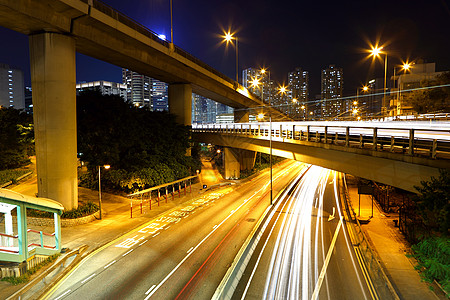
(183, 254)
(305, 251)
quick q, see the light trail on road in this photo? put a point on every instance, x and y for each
(306, 253)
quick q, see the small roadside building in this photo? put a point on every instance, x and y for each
(19, 244)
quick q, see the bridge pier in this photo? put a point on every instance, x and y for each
(241, 116)
(52, 65)
(180, 102)
(237, 160)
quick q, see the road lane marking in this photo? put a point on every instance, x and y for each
(189, 254)
(214, 226)
(190, 249)
(155, 235)
(143, 242)
(315, 295)
(65, 293)
(88, 278)
(108, 265)
(127, 252)
(150, 289)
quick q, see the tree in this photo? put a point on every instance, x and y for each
(16, 138)
(433, 201)
(432, 100)
(136, 142)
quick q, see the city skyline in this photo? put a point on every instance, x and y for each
(280, 37)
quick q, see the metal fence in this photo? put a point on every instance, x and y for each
(425, 142)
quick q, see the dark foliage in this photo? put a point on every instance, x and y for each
(144, 148)
(432, 100)
(16, 138)
(433, 202)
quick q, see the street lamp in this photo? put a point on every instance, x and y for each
(171, 45)
(405, 67)
(100, 187)
(261, 116)
(228, 37)
(376, 52)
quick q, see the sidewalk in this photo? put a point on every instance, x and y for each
(391, 248)
(116, 219)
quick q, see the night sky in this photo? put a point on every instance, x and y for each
(281, 35)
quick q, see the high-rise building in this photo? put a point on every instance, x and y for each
(12, 90)
(371, 101)
(144, 91)
(104, 87)
(332, 84)
(138, 88)
(265, 87)
(299, 84)
(28, 100)
(159, 95)
(205, 111)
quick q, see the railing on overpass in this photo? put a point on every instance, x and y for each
(155, 37)
(419, 140)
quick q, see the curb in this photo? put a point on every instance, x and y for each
(32, 283)
(353, 222)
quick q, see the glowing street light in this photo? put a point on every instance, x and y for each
(228, 38)
(376, 52)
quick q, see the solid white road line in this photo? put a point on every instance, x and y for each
(65, 293)
(88, 278)
(108, 265)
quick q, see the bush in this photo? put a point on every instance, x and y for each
(83, 210)
(11, 175)
(26, 277)
(433, 255)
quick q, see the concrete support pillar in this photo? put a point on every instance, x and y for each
(231, 164)
(247, 159)
(180, 102)
(237, 160)
(241, 116)
(52, 64)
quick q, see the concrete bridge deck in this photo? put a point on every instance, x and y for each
(399, 154)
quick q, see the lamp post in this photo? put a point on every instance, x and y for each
(303, 109)
(261, 116)
(405, 67)
(100, 188)
(172, 46)
(228, 38)
(376, 52)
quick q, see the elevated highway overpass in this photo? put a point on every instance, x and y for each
(59, 28)
(401, 154)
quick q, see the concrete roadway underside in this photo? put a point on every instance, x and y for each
(392, 169)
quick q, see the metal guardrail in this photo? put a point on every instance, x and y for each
(431, 143)
(382, 285)
(144, 197)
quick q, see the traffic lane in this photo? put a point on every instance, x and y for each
(208, 267)
(153, 260)
(344, 278)
(170, 246)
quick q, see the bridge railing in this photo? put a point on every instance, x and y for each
(417, 141)
(107, 10)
